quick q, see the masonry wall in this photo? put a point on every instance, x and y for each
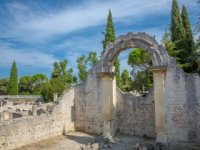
(31, 129)
(136, 114)
(88, 105)
(183, 105)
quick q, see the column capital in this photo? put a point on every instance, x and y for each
(158, 69)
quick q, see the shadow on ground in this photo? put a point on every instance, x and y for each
(78, 140)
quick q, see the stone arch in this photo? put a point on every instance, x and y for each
(105, 70)
(142, 40)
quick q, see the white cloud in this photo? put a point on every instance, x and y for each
(35, 27)
(25, 58)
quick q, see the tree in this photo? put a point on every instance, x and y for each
(109, 38)
(140, 61)
(70, 79)
(38, 81)
(138, 57)
(4, 83)
(57, 80)
(126, 81)
(82, 64)
(47, 92)
(92, 59)
(191, 49)
(168, 44)
(110, 31)
(56, 70)
(25, 85)
(58, 85)
(182, 44)
(142, 82)
(177, 28)
(182, 38)
(32, 85)
(188, 31)
(13, 82)
(178, 36)
(82, 67)
(61, 77)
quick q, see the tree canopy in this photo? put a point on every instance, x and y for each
(182, 44)
(140, 61)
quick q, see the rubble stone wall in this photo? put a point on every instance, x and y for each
(183, 105)
(26, 130)
(136, 114)
(88, 105)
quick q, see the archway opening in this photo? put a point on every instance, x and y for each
(132, 74)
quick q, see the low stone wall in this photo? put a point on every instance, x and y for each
(26, 130)
(136, 114)
(21, 97)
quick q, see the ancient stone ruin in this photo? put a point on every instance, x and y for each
(170, 112)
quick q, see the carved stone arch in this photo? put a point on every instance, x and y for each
(157, 52)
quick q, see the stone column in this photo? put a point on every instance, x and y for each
(108, 98)
(160, 103)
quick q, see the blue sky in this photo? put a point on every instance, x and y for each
(36, 33)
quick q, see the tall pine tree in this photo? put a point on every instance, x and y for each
(110, 31)
(188, 31)
(179, 38)
(13, 83)
(109, 38)
(177, 29)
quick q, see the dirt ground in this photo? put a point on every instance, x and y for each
(76, 140)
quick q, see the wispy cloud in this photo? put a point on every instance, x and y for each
(33, 26)
(25, 57)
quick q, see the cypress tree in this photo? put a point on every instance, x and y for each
(177, 30)
(188, 31)
(178, 37)
(13, 83)
(109, 38)
(110, 31)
